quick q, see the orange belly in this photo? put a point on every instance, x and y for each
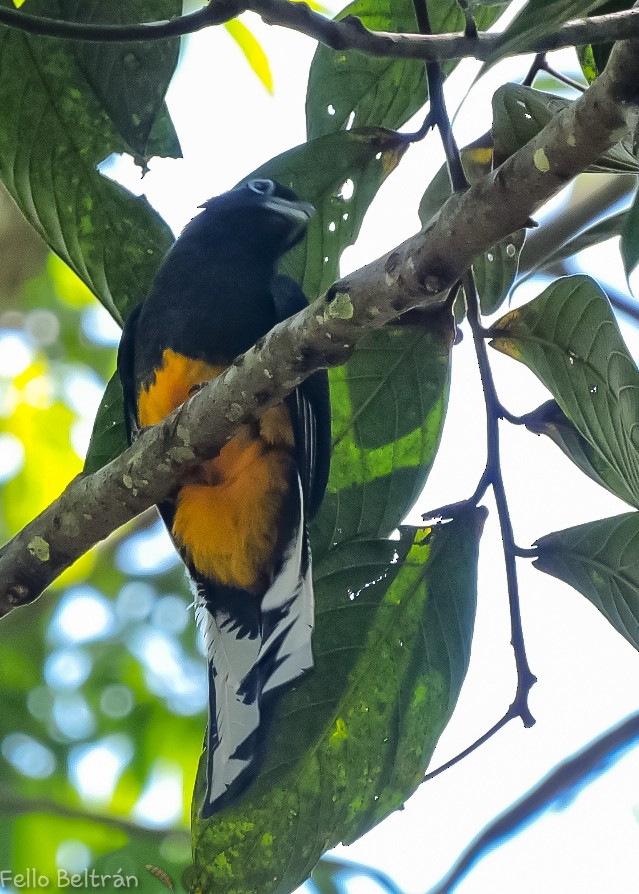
(227, 523)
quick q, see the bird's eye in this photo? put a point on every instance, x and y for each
(262, 187)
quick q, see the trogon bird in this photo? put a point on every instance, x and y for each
(239, 522)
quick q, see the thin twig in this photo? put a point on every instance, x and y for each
(556, 789)
(525, 678)
(438, 110)
(471, 748)
(536, 66)
(349, 33)
(419, 134)
(564, 79)
(492, 475)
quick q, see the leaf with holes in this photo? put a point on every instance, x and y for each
(352, 741)
(569, 338)
(130, 80)
(350, 89)
(54, 131)
(495, 270)
(519, 113)
(599, 559)
(536, 19)
(340, 175)
(549, 420)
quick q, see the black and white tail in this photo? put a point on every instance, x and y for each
(254, 646)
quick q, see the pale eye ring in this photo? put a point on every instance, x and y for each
(262, 187)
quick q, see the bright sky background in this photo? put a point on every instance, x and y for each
(228, 125)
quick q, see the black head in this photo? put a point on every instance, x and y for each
(260, 214)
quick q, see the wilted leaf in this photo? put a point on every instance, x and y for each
(600, 560)
(569, 338)
(352, 741)
(519, 113)
(253, 51)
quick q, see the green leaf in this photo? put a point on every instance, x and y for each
(340, 174)
(53, 133)
(129, 79)
(536, 19)
(253, 52)
(108, 438)
(588, 63)
(569, 337)
(599, 559)
(594, 58)
(163, 140)
(549, 420)
(385, 435)
(350, 89)
(495, 270)
(352, 741)
(592, 235)
(519, 113)
(630, 237)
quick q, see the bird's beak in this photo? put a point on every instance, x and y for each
(300, 212)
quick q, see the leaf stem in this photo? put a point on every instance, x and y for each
(468, 751)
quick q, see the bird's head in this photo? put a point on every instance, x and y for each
(260, 212)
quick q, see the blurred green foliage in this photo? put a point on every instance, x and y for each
(102, 684)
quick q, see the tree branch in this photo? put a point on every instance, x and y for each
(416, 273)
(348, 34)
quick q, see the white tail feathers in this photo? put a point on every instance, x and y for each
(254, 647)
